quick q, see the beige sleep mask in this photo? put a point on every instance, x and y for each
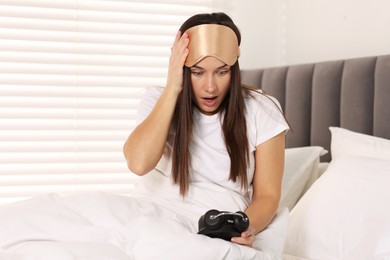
(214, 40)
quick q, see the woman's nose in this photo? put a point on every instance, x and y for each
(210, 84)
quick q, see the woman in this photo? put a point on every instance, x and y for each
(206, 127)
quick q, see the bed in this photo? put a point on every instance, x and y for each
(340, 116)
(337, 173)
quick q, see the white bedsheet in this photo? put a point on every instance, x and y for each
(142, 226)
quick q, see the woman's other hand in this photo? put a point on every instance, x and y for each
(247, 237)
(179, 53)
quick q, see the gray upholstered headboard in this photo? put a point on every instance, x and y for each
(353, 94)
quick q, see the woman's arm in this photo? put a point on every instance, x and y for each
(267, 183)
(145, 145)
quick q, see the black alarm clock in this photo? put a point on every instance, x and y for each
(223, 224)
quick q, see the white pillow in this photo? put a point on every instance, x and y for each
(345, 214)
(301, 169)
(345, 142)
(271, 240)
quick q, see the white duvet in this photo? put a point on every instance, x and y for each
(152, 223)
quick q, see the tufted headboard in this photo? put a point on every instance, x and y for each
(353, 94)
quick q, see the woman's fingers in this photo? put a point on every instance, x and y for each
(246, 238)
(179, 53)
(247, 241)
(180, 47)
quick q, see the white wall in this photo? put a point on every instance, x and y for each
(283, 32)
(258, 21)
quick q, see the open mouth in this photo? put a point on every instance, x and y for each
(210, 98)
(209, 101)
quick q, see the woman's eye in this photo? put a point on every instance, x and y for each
(197, 73)
(222, 72)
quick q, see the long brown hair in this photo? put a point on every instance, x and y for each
(233, 125)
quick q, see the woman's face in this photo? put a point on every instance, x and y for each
(210, 82)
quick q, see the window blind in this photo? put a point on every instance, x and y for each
(72, 73)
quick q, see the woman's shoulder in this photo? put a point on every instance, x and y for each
(149, 97)
(151, 94)
(154, 90)
(257, 98)
(264, 113)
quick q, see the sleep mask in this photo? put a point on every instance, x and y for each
(214, 40)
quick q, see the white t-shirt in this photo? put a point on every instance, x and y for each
(210, 161)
